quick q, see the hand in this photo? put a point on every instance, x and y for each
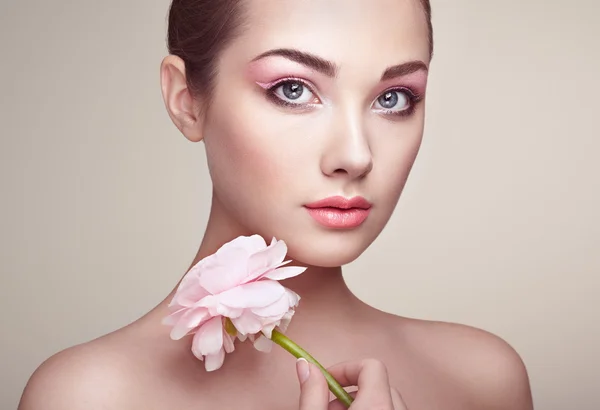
(374, 391)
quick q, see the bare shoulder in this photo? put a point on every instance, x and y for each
(482, 364)
(88, 376)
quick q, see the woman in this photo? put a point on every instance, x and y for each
(312, 115)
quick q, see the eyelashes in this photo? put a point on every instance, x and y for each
(290, 93)
(298, 94)
(402, 96)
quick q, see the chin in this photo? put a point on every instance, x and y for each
(310, 244)
(329, 249)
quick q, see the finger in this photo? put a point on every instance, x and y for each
(338, 405)
(397, 400)
(314, 392)
(369, 375)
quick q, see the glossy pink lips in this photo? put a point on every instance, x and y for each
(339, 212)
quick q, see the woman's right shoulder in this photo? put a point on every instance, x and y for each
(89, 376)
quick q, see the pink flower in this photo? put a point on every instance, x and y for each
(240, 283)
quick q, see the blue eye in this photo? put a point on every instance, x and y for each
(293, 92)
(396, 100)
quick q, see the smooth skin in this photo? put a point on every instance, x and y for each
(266, 161)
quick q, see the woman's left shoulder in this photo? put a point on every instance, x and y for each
(482, 363)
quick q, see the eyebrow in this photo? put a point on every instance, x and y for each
(310, 60)
(330, 69)
(403, 69)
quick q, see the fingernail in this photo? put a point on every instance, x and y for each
(302, 369)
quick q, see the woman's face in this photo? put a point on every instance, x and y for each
(318, 99)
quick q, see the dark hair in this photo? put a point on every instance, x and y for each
(200, 29)
(427, 9)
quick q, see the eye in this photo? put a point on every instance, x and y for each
(293, 92)
(398, 101)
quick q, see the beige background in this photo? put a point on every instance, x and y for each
(103, 203)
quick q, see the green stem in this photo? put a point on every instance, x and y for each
(285, 342)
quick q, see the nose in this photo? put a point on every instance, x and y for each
(347, 152)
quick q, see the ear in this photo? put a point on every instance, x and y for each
(181, 106)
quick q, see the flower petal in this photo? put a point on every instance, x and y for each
(252, 244)
(174, 317)
(265, 260)
(293, 297)
(284, 273)
(228, 266)
(228, 342)
(248, 323)
(254, 294)
(277, 308)
(239, 282)
(221, 274)
(189, 290)
(268, 329)
(191, 319)
(285, 321)
(209, 337)
(229, 312)
(214, 361)
(263, 344)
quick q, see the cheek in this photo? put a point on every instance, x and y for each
(404, 161)
(247, 160)
(396, 157)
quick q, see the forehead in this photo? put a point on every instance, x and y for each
(371, 33)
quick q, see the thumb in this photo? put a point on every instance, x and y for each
(314, 393)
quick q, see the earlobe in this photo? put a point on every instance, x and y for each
(178, 99)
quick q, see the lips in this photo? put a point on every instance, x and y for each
(340, 213)
(341, 203)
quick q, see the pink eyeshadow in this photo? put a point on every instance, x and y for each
(416, 81)
(269, 70)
